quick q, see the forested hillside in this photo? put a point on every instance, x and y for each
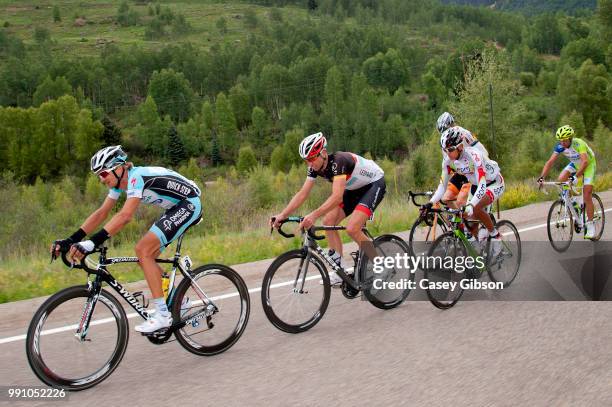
(226, 90)
(533, 6)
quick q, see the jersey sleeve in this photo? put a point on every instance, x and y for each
(444, 177)
(580, 146)
(135, 185)
(343, 164)
(481, 187)
(558, 148)
(114, 193)
(311, 174)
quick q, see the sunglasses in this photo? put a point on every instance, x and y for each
(451, 149)
(310, 160)
(106, 173)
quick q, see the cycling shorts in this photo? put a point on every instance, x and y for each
(589, 172)
(176, 220)
(364, 199)
(495, 189)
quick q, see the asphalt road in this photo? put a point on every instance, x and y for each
(481, 352)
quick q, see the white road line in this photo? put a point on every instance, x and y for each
(220, 297)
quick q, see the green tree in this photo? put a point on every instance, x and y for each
(41, 35)
(172, 93)
(226, 126)
(111, 134)
(239, 99)
(127, 17)
(246, 159)
(56, 14)
(575, 120)
(176, 149)
(250, 18)
(51, 89)
(545, 34)
(260, 122)
(386, 70)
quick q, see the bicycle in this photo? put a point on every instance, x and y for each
(565, 216)
(96, 328)
(287, 289)
(503, 267)
(428, 220)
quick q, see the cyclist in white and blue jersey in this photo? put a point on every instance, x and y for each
(179, 196)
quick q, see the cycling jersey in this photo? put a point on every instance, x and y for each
(169, 190)
(573, 152)
(469, 140)
(479, 170)
(157, 186)
(358, 170)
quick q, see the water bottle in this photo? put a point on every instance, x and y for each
(165, 284)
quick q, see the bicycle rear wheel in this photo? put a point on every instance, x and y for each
(55, 352)
(599, 217)
(443, 283)
(560, 226)
(217, 315)
(378, 292)
(505, 266)
(292, 296)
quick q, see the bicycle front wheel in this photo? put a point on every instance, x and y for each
(560, 226)
(215, 309)
(504, 262)
(599, 217)
(444, 281)
(295, 291)
(59, 355)
(422, 235)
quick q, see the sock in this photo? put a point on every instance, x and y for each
(161, 307)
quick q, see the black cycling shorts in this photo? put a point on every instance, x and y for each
(364, 199)
(458, 180)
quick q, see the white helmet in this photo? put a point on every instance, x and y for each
(445, 121)
(312, 145)
(108, 158)
(450, 138)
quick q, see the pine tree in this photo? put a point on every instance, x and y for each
(312, 5)
(215, 153)
(176, 149)
(56, 14)
(112, 133)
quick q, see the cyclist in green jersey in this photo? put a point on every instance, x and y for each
(582, 164)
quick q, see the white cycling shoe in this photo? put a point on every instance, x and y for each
(589, 233)
(154, 323)
(496, 245)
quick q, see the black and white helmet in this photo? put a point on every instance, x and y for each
(312, 145)
(445, 121)
(107, 158)
(451, 138)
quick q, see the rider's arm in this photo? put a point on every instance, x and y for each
(549, 164)
(481, 188)
(338, 187)
(123, 217)
(443, 183)
(584, 162)
(298, 199)
(98, 216)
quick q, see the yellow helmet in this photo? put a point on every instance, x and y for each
(564, 132)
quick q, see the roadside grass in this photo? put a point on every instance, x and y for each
(34, 276)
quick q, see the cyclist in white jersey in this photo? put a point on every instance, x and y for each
(158, 186)
(459, 188)
(358, 187)
(482, 172)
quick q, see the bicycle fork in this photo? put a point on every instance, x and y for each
(88, 310)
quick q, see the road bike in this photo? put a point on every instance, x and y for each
(293, 298)
(79, 335)
(566, 215)
(431, 224)
(502, 266)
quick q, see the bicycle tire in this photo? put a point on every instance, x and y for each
(417, 223)
(549, 227)
(268, 304)
(518, 255)
(429, 272)
(602, 213)
(236, 287)
(33, 349)
(376, 300)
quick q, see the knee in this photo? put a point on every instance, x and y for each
(330, 219)
(143, 250)
(353, 230)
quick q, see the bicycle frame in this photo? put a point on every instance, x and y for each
(104, 276)
(565, 192)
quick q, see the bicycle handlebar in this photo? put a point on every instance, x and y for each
(413, 195)
(82, 265)
(296, 219)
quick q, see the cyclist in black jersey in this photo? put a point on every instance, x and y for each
(358, 187)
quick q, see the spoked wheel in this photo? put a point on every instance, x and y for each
(216, 311)
(388, 288)
(438, 277)
(504, 257)
(599, 217)
(292, 295)
(423, 232)
(56, 352)
(560, 226)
